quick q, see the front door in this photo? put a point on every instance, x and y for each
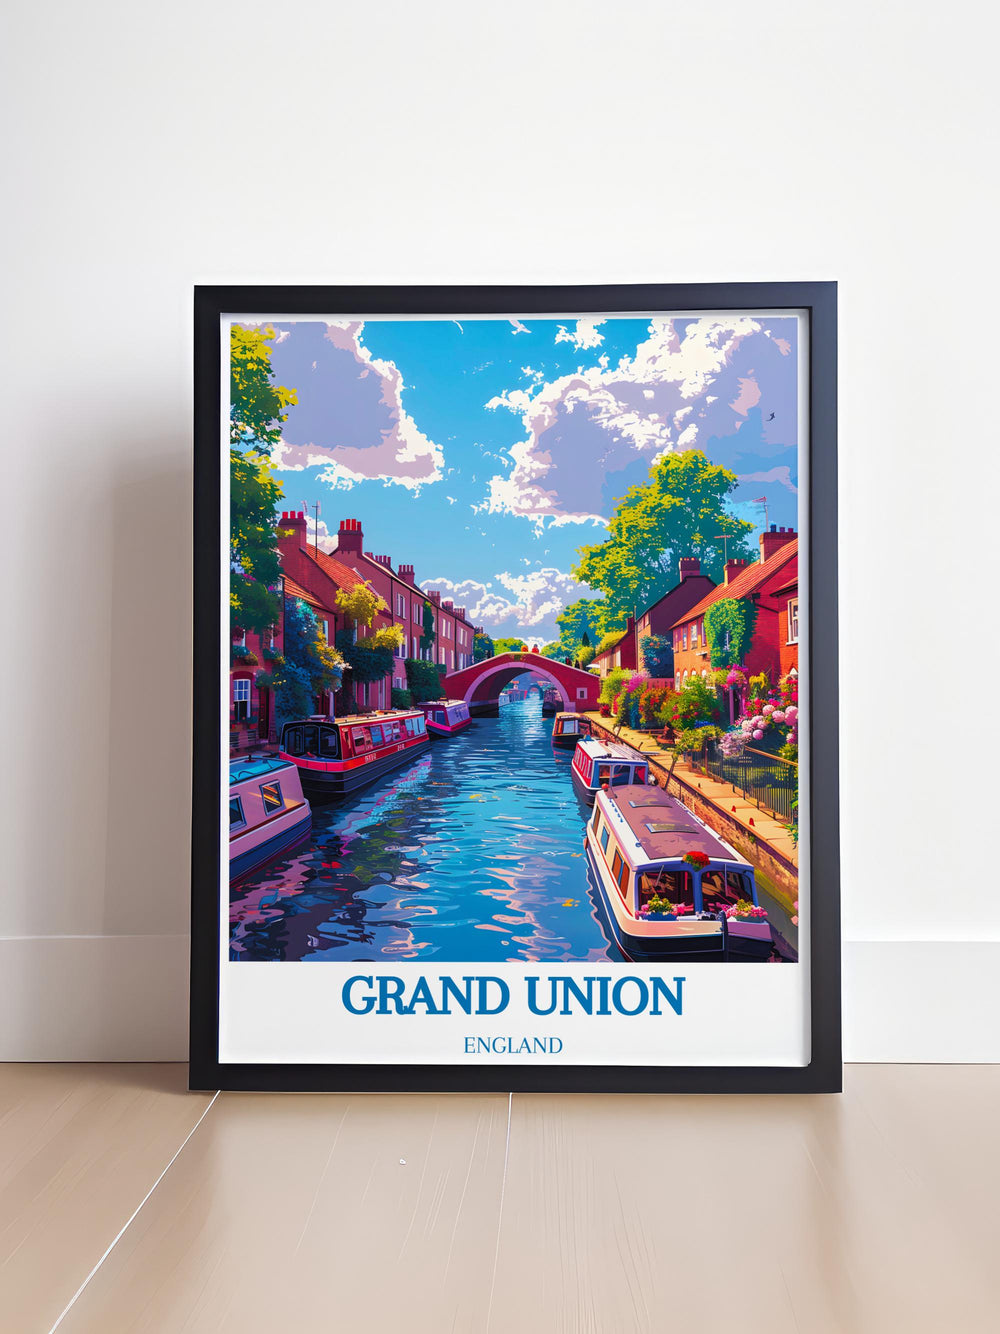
(264, 715)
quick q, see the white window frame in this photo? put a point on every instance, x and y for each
(793, 617)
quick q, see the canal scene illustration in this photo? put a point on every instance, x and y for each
(513, 665)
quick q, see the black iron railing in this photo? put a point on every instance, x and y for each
(769, 781)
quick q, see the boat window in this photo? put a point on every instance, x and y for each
(740, 886)
(329, 743)
(619, 869)
(719, 890)
(376, 734)
(570, 727)
(302, 741)
(359, 738)
(419, 724)
(236, 816)
(621, 774)
(605, 834)
(677, 886)
(271, 792)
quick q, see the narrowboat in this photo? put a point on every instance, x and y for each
(445, 717)
(267, 811)
(336, 756)
(602, 764)
(550, 700)
(670, 886)
(568, 728)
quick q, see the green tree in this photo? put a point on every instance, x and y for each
(581, 623)
(256, 413)
(554, 650)
(509, 646)
(482, 648)
(310, 664)
(680, 511)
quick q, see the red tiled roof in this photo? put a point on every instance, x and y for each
(747, 581)
(787, 587)
(341, 574)
(294, 590)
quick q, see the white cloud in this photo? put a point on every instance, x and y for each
(584, 336)
(585, 432)
(521, 600)
(351, 420)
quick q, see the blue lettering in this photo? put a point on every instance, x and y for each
(619, 987)
(345, 995)
(504, 995)
(533, 1005)
(673, 999)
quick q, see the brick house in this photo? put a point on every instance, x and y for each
(658, 619)
(766, 582)
(788, 626)
(251, 705)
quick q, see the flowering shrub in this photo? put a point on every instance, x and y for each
(771, 717)
(699, 860)
(664, 907)
(744, 911)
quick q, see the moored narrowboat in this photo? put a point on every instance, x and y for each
(445, 717)
(550, 700)
(336, 756)
(568, 728)
(267, 812)
(670, 886)
(602, 764)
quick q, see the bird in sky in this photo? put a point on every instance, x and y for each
(771, 418)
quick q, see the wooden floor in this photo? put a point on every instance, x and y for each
(128, 1204)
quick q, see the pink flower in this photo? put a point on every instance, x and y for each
(768, 708)
(792, 712)
(758, 735)
(778, 716)
(795, 921)
(792, 738)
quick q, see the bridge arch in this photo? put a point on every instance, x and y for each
(481, 682)
(488, 684)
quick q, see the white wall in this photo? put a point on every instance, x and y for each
(157, 146)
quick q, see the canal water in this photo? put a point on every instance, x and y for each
(474, 852)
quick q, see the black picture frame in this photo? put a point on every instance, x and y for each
(823, 1073)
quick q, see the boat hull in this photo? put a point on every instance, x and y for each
(242, 861)
(327, 784)
(437, 730)
(566, 742)
(647, 948)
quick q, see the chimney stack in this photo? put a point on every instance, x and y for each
(293, 521)
(435, 598)
(448, 606)
(460, 613)
(775, 538)
(380, 560)
(405, 573)
(350, 538)
(689, 565)
(733, 568)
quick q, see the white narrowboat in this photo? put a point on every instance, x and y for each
(336, 756)
(568, 728)
(604, 764)
(668, 885)
(445, 717)
(267, 811)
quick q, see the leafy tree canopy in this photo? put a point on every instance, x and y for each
(509, 646)
(254, 601)
(258, 408)
(680, 511)
(582, 622)
(360, 603)
(482, 648)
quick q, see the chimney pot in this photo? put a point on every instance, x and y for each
(771, 541)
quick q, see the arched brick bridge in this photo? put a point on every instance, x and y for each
(482, 682)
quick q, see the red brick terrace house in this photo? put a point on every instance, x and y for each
(766, 582)
(251, 709)
(620, 653)
(453, 632)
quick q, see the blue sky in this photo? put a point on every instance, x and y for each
(485, 452)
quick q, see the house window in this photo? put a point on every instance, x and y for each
(326, 631)
(416, 614)
(684, 639)
(793, 621)
(241, 698)
(694, 635)
(400, 605)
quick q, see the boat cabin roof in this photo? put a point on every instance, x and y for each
(571, 715)
(441, 703)
(255, 766)
(356, 719)
(609, 750)
(661, 827)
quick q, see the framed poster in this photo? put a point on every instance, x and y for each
(515, 709)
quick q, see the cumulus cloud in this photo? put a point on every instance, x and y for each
(513, 601)
(692, 382)
(584, 336)
(350, 418)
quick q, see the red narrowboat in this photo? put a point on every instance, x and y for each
(336, 756)
(445, 717)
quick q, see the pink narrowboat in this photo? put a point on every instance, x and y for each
(267, 811)
(598, 765)
(445, 717)
(668, 885)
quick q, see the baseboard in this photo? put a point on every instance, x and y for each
(124, 998)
